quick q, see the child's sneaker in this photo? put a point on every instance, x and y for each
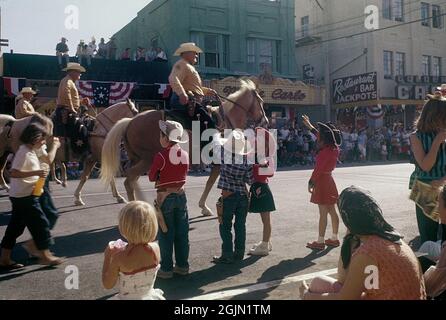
(165, 274)
(262, 249)
(181, 271)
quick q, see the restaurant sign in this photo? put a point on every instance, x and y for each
(356, 88)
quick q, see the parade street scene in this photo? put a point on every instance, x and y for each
(222, 150)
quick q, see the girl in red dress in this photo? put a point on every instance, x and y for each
(322, 185)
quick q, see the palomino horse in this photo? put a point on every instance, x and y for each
(141, 138)
(11, 129)
(104, 122)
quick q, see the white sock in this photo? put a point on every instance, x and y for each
(321, 240)
(334, 237)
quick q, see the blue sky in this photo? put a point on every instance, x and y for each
(36, 26)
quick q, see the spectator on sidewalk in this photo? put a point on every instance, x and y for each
(126, 54)
(92, 48)
(82, 53)
(371, 242)
(160, 55)
(102, 50)
(112, 48)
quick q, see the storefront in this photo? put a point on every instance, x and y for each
(357, 104)
(285, 100)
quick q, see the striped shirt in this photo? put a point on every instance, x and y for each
(235, 176)
(438, 171)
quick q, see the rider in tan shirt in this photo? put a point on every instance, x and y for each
(68, 101)
(24, 108)
(184, 81)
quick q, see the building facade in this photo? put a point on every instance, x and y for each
(239, 37)
(384, 73)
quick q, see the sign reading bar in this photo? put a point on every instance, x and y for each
(357, 88)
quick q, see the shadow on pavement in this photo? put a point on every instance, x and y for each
(282, 270)
(78, 208)
(85, 243)
(190, 286)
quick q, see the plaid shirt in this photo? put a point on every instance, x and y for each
(234, 177)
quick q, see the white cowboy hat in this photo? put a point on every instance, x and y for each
(442, 87)
(187, 47)
(173, 130)
(27, 90)
(236, 143)
(74, 66)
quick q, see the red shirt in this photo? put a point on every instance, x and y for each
(263, 178)
(170, 168)
(326, 161)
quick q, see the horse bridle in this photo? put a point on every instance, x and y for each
(110, 120)
(247, 111)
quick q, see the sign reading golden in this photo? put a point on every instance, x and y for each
(275, 90)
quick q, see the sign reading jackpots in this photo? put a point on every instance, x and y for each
(357, 88)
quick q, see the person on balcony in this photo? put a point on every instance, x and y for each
(62, 52)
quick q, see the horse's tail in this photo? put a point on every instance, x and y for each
(111, 152)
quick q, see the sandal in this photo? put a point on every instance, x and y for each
(316, 246)
(12, 267)
(332, 243)
(52, 263)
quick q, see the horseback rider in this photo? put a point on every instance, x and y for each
(24, 108)
(67, 122)
(188, 91)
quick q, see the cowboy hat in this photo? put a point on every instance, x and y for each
(236, 143)
(187, 47)
(330, 132)
(28, 90)
(74, 66)
(442, 87)
(173, 130)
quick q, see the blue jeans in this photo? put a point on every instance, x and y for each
(234, 205)
(48, 207)
(175, 214)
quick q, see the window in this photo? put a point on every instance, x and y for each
(400, 64)
(305, 26)
(393, 10)
(388, 64)
(398, 10)
(436, 66)
(437, 19)
(251, 59)
(425, 14)
(215, 47)
(426, 66)
(263, 54)
(387, 9)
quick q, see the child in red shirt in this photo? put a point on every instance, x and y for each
(261, 197)
(169, 171)
(322, 185)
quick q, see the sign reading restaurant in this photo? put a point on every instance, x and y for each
(357, 88)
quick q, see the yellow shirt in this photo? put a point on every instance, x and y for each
(68, 96)
(184, 78)
(23, 109)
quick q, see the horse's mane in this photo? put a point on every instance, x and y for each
(246, 86)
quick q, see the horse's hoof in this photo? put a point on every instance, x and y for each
(64, 184)
(5, 187)
(121, 200)
(206, 212)
(58, 181)
(79, 203)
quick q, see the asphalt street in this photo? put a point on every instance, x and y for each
(82, 234)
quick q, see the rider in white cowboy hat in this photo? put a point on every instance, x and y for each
(442, 89)
(68, 100)
(185, 79)
(24, 108)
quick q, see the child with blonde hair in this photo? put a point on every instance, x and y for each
(134, 264)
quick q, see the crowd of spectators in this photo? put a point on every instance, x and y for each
(85, 52)
(297, 146)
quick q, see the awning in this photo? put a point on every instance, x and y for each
(391, 102)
